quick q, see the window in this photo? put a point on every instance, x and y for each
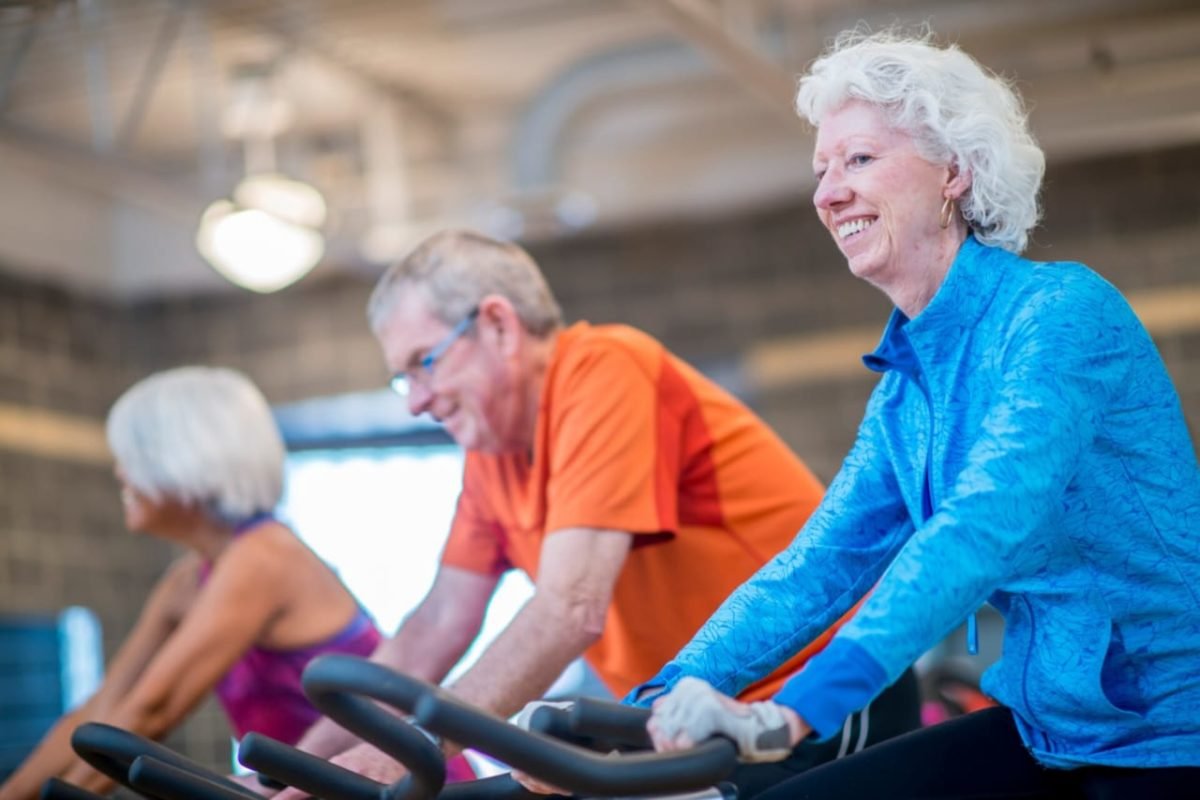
(379, 516)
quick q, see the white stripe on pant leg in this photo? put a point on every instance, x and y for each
(845, 736)
(865, 718)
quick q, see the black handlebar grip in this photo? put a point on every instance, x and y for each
(56, 789)
(613, 721)
(555, 722)
(149, 775)
(559, 723)
(573, 768)
(305, 771)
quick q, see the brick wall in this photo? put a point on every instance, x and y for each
(714, 291)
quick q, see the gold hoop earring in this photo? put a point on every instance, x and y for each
(947, 213)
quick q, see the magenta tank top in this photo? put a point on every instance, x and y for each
(262, 692)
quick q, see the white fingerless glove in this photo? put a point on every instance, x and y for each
(694, 707)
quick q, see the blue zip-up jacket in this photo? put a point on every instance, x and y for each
(1024, 447)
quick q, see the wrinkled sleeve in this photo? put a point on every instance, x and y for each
(1061, 359)
(830, 565)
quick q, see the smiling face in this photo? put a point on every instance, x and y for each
(881, 200)
(473, 389)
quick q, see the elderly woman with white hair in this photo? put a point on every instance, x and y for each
(1024, 447)
(200, 461)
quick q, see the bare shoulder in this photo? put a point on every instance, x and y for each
(267, 552)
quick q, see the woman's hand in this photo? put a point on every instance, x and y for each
(695, 711)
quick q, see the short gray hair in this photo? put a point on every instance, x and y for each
(957, 112)
(457, 269)
(200, 435)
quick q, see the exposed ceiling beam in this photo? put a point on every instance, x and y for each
(698, 22)
(164, 42)
(412, 99)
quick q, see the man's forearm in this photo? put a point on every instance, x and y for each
(524, 661)
(326, 739)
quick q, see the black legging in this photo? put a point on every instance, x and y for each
(975, 757)
(897, 710)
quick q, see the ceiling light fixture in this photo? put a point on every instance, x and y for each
(268, 235)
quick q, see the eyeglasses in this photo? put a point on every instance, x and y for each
(421, 372)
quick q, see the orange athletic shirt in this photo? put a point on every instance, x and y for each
(631, 438)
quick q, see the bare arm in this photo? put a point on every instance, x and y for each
(228, 615)
(577, 573)
(159, 617)
(429, 642)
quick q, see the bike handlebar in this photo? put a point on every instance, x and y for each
(570, 767)
(339, 687)
(112, 751)
(595, 725)
(614, 721)
(152, 776)
(307, 772)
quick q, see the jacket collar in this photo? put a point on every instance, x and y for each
(956, 308)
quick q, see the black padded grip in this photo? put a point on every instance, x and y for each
(613, 721)
(306, 772)
(555, 722)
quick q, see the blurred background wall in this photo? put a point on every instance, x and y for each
(96, 291)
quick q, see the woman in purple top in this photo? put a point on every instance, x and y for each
(200, 462)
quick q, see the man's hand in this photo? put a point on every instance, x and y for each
(534, 785)
(364, 759)
(695, 711)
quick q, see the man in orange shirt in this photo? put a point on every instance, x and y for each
(635, 492)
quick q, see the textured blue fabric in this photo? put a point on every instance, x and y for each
(1025, 446)
(834, 687)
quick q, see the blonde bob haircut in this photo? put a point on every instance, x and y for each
(203, 436)
(957, 113)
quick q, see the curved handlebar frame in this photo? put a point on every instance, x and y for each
(150, 775)
(112, 751)
(330, 680)
(339, 687)
(574, 768)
